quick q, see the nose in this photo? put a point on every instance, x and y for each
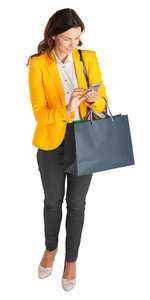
(72, 45)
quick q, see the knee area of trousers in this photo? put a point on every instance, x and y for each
(76, 207)
(48, 203)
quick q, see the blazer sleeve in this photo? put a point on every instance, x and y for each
(43, 114)
(95, 76)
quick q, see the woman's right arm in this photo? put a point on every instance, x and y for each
(43, 114)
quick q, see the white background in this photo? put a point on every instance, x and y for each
(114, 254)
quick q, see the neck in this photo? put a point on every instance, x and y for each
(60, 55)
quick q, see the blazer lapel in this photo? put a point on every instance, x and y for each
(54, 73)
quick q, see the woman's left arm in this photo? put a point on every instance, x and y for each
(95, 76)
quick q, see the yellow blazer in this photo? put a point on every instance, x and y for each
(47, 96)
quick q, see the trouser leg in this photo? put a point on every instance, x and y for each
(77, 188)
(53, 180)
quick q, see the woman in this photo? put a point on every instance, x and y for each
(56, 84)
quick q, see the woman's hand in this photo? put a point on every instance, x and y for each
(75, 99)
(92, 96)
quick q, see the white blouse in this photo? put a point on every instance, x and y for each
(68, 79)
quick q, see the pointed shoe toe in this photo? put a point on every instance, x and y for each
(68, 284)
(44, 272)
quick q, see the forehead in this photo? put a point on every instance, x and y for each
(72, 32)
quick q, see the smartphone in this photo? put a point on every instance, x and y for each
(94, 86)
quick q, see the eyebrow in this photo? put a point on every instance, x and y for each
(69, 38)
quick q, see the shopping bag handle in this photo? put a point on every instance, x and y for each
(87, 80)
(91, 110)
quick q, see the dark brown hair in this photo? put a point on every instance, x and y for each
(59, 22)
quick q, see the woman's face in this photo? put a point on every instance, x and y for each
(65, 42)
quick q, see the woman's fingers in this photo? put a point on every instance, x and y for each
(92, 92)
(93, 95)
(78, 93)
(79, 89)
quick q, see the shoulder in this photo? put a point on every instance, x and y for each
(37, 60)
(88, 54)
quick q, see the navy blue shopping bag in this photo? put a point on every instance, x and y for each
(97, 145)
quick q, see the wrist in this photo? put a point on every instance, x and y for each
(89, 102)
(68, 111)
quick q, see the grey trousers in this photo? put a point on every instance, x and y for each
(50, 164)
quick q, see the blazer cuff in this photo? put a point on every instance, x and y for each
(66, 117)
(98, 106)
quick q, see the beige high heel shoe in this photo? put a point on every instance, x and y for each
(44, 272)
(68, 284)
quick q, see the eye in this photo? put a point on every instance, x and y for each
(68, 39)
